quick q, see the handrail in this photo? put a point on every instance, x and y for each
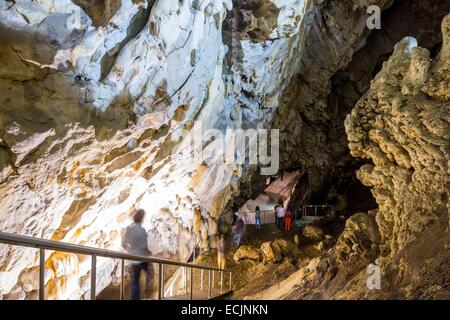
(43, 244)
(27, 241)
(303, 210)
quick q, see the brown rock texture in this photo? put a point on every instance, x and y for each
(312, 232)
(402, 126)
(359, 240)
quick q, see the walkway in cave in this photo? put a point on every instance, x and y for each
(251, 277)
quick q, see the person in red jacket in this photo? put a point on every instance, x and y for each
(288, 220)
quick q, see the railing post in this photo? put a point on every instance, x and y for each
(185, 280)
(201, 280)
(122, 275)
(221, 282)
(192, 283)
(161, 282)
(230, 282)
(213, 280)
(209, 283)
(93, 275)
(41, 274)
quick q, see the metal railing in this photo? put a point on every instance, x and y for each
(42, 245)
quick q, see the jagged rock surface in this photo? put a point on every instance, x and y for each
(402, 126)
(247, 252)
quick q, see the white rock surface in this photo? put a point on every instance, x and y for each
(92, 108)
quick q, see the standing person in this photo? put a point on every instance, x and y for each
(298, 235)
(288, 220)
(258, 217)
(135, 241)
(237, 229)
(281, 212)
(221, 252)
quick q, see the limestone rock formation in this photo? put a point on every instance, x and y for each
(287, 248)
(97, 101)
(401, 125)
(93, 101)
(360, 239)
(279, 249)
(247, 252)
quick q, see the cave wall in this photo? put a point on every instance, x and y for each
(401, 126)
(97, 97)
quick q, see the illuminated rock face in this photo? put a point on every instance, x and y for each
(94, 98)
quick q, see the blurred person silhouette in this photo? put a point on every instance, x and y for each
(288, 220)
(238, 229)
(135, 241)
